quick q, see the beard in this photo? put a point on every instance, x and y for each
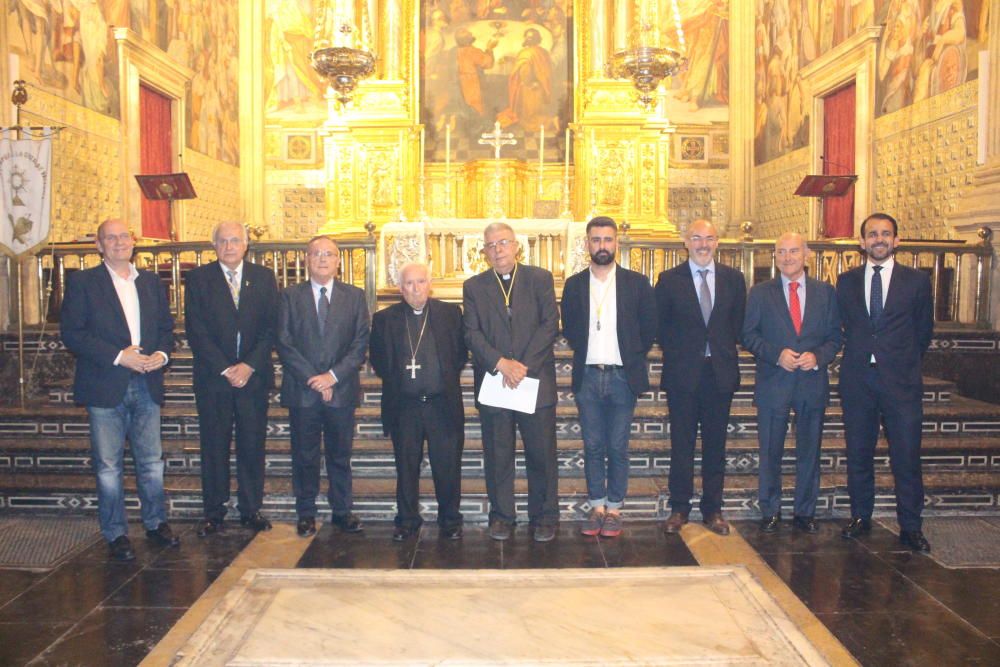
(602, 257)
(880, 252)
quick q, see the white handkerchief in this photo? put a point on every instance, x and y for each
(495, 394)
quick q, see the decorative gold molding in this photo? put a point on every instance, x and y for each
(140, 62)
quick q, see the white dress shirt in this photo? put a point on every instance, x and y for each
(602, 344)
(329, 294)
(801, 291)
(710, 276)
(886, 275)
(128, 297)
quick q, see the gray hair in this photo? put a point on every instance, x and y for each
(215, 231)
(497, 227)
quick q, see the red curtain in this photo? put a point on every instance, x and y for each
(156, 157)
(838, 152)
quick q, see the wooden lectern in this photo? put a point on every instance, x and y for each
(159, 187)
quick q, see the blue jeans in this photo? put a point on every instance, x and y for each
(137, 417)
(606, 405)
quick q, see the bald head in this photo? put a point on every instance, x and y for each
(701, 241)
(790, 254)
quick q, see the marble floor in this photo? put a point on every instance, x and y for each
(867, 598)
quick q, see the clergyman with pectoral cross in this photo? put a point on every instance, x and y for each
(511, 321)
(417, 348)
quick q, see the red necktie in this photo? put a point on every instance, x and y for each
(794, 307)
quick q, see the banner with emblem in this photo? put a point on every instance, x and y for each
(25, 191)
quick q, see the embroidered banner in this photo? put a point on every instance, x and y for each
(25, 192)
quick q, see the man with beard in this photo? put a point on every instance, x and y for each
(609, 319)
(511, 320)
(700, 306)
(418, 351)
(888, 320)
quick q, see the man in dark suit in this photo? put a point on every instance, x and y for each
(511, 321)
(609, 319)
(322, 339)
(792, 327)
(888, 319)
(230, 315)
(700, 305)
(418, 350)
(117, 322)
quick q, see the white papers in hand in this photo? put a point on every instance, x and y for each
(495, 394)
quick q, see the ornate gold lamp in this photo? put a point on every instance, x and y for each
(337, 57)
(645, 63)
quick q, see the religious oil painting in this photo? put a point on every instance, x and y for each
(67, 48)
(699, 94)
(927, 47)
(293, 90)
(485, 62)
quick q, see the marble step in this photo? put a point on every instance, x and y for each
(959, 417)
(374, 458)
(374, 498)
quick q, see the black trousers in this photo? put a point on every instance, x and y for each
(218, 413)
(706, 406)
(538, 433)
(335, 426)
(867, 404)
(419, 422)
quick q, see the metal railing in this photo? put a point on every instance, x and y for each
(959, 271)
(287, 259)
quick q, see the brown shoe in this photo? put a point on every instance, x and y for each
(675, 522)
(715, 523)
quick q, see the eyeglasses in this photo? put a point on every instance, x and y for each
(706, 239)
(502, 243)
(321, 254)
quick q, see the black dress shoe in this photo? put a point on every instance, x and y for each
(915, 540)
(545, 532)
(500, 530)
(403, 533)
(451, 533)
(806, 524)
(163, 536)
(211, 527)
(856, 528)
(348, 523)
(769, 524)
(306, 526)
(121, 549)
(255, 522)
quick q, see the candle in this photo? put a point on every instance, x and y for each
(541, 157)
(421, 151)
(447, 166)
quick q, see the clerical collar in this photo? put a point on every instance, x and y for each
(417, 312)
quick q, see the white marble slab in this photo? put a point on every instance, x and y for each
(638, 616)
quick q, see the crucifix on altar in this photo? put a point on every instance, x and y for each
(498, 139)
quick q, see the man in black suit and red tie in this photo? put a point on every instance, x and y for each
(417, 348)
(792, 327)
(888, 318)
(700, 306)
(230, 313)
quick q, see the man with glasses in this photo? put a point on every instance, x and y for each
(116, 320)
(322, 338)
(511, 321)
(230, 312)
(700, 306)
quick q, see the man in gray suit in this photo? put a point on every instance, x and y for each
(322, 337)
(511, 321)
(792, 326)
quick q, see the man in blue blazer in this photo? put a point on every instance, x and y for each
(322, 339)
(609, 319)
(888, 319)
(700, 306)
(231, 309)
(116, 320)
(792, 327)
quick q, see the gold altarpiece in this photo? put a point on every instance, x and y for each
(371, 150)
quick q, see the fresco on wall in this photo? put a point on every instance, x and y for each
(926, 48)
(66, 48)
(294, 91)
(700, 94)
(506, 61)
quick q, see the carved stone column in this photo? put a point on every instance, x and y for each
(741, 112)
(981, 207)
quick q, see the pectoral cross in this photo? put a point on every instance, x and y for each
(412, 367)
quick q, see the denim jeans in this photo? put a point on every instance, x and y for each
(606, 405)
(137, 418)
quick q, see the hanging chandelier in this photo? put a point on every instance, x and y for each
(645, 63)
(343, 63)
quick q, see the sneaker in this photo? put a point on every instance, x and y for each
(612, 526)
(592, 525)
